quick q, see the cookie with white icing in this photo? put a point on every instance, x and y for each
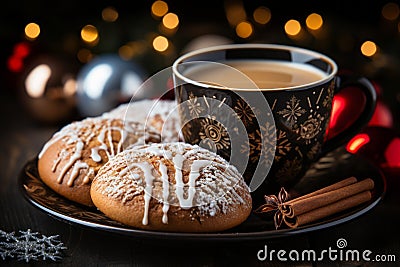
(70, 160)
(172, 187)
(159, 114)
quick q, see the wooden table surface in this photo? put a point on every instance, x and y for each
(21, 139)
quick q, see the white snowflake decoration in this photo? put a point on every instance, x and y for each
(30, 246)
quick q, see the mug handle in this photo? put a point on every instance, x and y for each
(367, 88)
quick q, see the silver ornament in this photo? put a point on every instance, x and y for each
(48, 88)
(105, 82)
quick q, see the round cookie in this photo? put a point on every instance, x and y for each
(159, 114)
(70, 160)
(172, 187)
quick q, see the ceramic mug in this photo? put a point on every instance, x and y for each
(264, 107)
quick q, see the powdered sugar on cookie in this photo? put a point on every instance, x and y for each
(176, 174)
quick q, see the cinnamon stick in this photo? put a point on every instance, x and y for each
(327, 201)
(348, 181)
(328, 210)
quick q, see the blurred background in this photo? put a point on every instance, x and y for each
(62, 60)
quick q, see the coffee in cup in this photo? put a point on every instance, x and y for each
(266, 108)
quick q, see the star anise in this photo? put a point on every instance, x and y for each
(274, 203)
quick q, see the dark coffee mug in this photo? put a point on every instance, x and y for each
(265, 108)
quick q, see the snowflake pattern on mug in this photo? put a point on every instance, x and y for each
(268, 142)
(244, 112)
(292, 111)
(283, 145)
(304, 118)
(194, 106)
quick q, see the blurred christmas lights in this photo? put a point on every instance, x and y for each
(160, 43)
(314, 21)
(368, 48)
(90, 35)
(109, 14)
(159, 8)
(235, 12)
(170, 21)
(32, 31)
(292, 27)
(244, 29)
(262, 15)
(15, 62)
(391, 11)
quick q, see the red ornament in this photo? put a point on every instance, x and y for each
(382, 116)
(379, 144)
(346, 108)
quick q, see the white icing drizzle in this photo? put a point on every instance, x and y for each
(103, 145)
(165, 186)
(77, 155)
(94, 154)
(53, 168)
(89, 174)
(193, 175)
(211, 187)
(77, 135)
(55, 139)
(159, 152)
(147, 172)
(159, 114)
(178, 163)
(75, 171)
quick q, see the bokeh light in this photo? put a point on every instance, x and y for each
(109, 14)
(21, 50)
(159, 8)
(160, 43)
(89, 34)
(35, 82)
(262, 15)
(314, 21)
(125, 52)
(368, 48)
(170, 21)
(32, 31)
(391, 11)
(357, 142)
(292, 27)
(235, 13)
(15, 64)
(244, 29)
(70, 87)
(84, 55)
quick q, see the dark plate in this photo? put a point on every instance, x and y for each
(332, 168)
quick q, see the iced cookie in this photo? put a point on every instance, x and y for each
(70, 160)
(160, 114)
(172, 187)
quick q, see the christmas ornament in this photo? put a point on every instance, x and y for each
(382, 116)
(379, 144)
(30, 246)
(48, 88)
(105, 82)
(347, 107)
